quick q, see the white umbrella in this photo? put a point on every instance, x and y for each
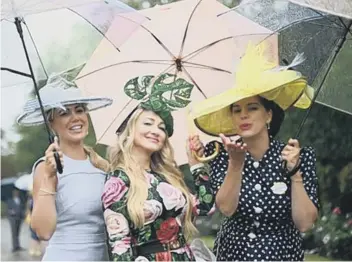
(24, 182)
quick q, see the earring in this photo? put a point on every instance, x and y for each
(268, 125)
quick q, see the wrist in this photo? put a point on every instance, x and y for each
(49, 183)
(297, 178)
(295, 170)
(235, 166)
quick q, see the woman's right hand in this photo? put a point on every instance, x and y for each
(194, 146)
(235, 149)
(50, 164)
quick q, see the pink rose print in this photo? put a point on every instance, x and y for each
(212, 210)
(116, 224)
(172, 197)
(150, 179)
(183, 250)
(152, 210)
(114, 190)
(195, 203)
(121, 246)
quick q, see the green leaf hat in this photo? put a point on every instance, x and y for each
(162, 95)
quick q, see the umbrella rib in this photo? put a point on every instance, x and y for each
(16, 72)
(186, 29)
(320, 14)
(155, 77)
(194, 82)
(200, 66)
(159, 42)
(121, 63)
(192, 54)
(337, 49)
(36, 50)
(96, 28)
(106, 130)
(155, 62)
(348, 29)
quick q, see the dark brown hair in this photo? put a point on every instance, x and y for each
(278, 115)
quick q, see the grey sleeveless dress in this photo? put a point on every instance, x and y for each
(80, 229)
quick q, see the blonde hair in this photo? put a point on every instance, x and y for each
(162, 162)
(96, 160)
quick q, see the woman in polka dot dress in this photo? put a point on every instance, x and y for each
(266, 206)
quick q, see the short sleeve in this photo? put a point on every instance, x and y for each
(218, 166)
(308, 169)
(36, 163)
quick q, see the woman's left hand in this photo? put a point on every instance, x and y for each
(291, 153)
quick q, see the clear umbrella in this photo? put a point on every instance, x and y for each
(319, 29)
(30, 19)
(304, 28)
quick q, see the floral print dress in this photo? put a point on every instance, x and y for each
(164, 212)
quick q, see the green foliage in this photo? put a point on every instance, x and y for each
(329, 132)
(331, 236)
(8, 166)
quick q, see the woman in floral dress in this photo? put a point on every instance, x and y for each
(148, 207)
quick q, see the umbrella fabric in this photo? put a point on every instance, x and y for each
(15, 8)
(304, 30)
(173, 42)
(59, 34)
(342, 8)
(24, 182)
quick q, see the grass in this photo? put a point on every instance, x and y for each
(209, 241)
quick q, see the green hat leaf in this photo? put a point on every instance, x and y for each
(136, 88)
(167, 94)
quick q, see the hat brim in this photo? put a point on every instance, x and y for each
(213, 116)
(32, 115)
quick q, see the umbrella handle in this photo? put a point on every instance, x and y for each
(56, 157)
(191, 130)
(58, 162)
(204, 159)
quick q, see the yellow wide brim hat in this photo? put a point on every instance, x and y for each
(256, 75)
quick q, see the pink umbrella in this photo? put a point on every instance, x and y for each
(186, 39)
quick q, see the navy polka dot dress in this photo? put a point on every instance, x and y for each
(262, 227)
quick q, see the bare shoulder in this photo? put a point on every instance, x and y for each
(39, 171)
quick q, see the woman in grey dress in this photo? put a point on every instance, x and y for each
(67, 207)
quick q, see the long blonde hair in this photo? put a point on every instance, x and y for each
(162, 162)
(94, 157)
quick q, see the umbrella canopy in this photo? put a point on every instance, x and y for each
(24, 182)
(171, 43)
(97, 15)
(59, 34)
(305, 29)
(342, 8)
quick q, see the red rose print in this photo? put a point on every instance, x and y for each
(168, 230)
(163, 256)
